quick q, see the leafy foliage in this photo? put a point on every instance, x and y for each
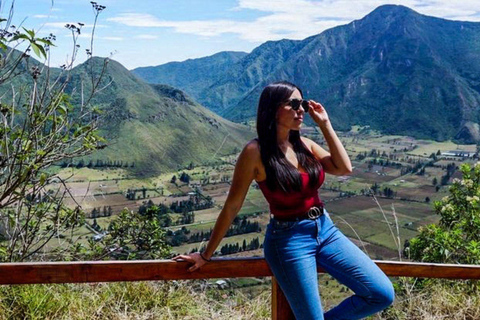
(456, 238)
(131, 236)
(39, 127)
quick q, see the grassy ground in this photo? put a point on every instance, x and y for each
(203, 299)
(425, 148)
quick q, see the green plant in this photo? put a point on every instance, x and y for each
(131, 236)
(456, 238)
(39, 127)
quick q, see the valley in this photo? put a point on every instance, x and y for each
(393, 186)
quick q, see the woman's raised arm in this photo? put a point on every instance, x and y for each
(336, 161)
(243, 176)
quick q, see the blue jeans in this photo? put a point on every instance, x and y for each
(293, 251)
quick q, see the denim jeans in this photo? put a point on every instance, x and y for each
(293, 251)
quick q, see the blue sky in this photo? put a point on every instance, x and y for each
(146, 32)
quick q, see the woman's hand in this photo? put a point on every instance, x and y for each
(194, 258)
(317, 112)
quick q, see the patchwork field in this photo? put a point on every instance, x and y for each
(345, 197)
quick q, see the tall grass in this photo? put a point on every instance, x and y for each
(130, 300)
(429, 299)
(434, 300)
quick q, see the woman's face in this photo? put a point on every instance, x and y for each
(287, 118)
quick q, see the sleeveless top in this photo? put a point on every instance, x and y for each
(293, 203)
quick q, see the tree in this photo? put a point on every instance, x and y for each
(39, 127)
(131, 236)
(374, 188)
(94, 213)
(456, 238)
(185, 177)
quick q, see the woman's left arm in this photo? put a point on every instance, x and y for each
(336, 161)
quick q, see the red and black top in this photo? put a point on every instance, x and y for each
(293, 203)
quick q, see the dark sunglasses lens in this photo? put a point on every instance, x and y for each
(295, 103)
(305, 105)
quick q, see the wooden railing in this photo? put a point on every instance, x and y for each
(110, 271)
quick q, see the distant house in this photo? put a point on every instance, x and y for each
(458, 153)
(99, 236)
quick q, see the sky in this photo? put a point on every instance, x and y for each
(153, 32)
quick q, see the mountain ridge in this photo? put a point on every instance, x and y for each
(159, 128)
(396, 70)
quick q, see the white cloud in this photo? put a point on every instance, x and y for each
(146, 36)
(40, 16)
(111, 38)
(350, 10)
(466, 18)
(297, 19)
(272, 27)
(61, 25)
(137, 20)
(89, 36)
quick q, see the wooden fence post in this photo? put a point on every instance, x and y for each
(280, 308)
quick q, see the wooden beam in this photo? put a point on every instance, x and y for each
(140, 270)
(280, 307)
(108, 271)
(429, 270)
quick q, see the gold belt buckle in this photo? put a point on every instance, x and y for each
(313, 213)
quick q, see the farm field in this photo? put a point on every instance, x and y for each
(347, 198)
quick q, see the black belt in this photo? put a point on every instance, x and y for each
(312, 214)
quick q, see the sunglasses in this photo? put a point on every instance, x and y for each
(296, 103)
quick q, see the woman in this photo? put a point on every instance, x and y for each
(289, 169)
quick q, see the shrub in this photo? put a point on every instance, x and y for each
(456, 238)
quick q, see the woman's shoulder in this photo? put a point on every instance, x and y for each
(251, 154)
(307, 142)
(252, 148)
(252, 151)
(314, 148)
(254, 142)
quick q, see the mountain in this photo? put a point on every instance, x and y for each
(157, 127)
(396, 70)
(190, 75)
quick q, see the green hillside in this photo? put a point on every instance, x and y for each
(156, 127)
(192, 75)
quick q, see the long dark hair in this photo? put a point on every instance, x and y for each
(280, 172)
